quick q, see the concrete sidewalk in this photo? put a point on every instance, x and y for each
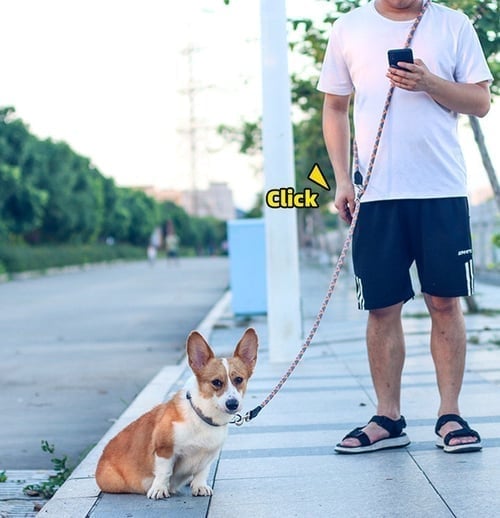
(283, 463)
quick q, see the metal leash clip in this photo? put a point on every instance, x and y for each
(239, 419)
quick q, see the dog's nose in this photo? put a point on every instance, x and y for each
(232, 404)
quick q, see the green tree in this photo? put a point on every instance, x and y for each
(14, 136)
(210, 234)
(57, 172)
(117, 217)
(22, 203)
(144, 216)
(175, 218)
(87, 201)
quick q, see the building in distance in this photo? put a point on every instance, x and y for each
(216, 201)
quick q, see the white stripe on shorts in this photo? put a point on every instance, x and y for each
(469, 275)
(359, 293)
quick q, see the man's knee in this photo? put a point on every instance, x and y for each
(442, 305)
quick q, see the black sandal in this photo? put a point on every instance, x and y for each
(465, 431)
(397, 438)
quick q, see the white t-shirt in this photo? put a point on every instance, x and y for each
(419, 154)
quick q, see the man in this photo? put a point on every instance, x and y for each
(415, 206)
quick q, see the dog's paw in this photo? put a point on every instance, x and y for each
(156, 492)
(201, 490)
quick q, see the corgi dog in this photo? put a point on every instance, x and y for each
(177, 441)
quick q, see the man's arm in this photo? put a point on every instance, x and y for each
(336, 132)
(467, 98)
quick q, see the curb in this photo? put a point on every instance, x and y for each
(80, 493)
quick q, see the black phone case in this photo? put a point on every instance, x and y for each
(396, 55)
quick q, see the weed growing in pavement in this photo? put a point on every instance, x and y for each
(476, 339)
(489, 312)
(495, 341)
(48, 488)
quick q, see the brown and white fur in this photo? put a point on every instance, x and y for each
(173, 443)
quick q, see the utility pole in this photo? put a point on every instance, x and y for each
(193, 151)
(282, 262)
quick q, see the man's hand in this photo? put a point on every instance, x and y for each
(415, 78)
(344, 201)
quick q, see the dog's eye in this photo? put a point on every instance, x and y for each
(238, 380)
(217, 383)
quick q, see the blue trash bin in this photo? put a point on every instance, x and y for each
(247, 265)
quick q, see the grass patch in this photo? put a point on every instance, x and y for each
(22, 258)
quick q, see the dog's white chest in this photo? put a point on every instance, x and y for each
(195, 438)
(196, 446)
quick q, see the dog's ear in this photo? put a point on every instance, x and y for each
(198, 351)
(246, 350)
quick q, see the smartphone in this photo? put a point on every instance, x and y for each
(397, 55)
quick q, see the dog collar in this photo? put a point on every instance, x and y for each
(199, 413)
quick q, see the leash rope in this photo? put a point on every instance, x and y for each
(252, 414)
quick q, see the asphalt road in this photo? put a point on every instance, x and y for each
(76, 348)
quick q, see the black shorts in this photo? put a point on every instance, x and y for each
(391, 234)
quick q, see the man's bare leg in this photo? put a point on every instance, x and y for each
(448, 347)
(386, 354)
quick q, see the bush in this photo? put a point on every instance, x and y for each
(22, 258)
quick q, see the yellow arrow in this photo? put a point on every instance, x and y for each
(317, 176)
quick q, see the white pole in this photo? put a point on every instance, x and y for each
(282, 262)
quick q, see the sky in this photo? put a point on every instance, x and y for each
(140, 87)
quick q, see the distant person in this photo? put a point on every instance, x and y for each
(415, 208)
(172, 242)
(151, 253)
